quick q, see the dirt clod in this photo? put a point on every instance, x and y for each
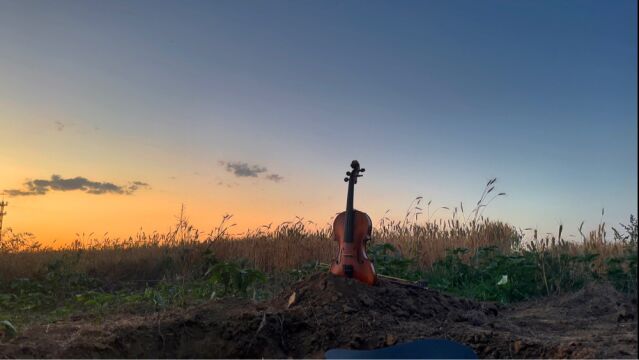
(390, 340)
(517, 346)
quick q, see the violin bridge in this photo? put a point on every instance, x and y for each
(347, 252)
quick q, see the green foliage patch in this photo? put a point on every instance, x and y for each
(493, 276)
(59, 291)
(388, 260)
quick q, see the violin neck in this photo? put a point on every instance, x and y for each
(350, 213)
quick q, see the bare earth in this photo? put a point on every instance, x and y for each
(329, 312)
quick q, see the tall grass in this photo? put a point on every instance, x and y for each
(152, 256)
(185, 252)
(146, 255)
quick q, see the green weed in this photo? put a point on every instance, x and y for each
(235, 278)
(388, 260)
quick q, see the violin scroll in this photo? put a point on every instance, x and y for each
(355, 173)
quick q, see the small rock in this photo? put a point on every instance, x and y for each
(356, 342)
(347, 309)
(292, 300)
(454, 317)
(390, 340)
(625, 316)
(475, 317)
(366, 300)
(517, 345)
(490, 310)
(323, 285)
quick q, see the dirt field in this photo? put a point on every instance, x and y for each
(327, 312)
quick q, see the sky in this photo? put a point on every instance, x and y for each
(114, 113)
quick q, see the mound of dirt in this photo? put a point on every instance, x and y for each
(324, 312)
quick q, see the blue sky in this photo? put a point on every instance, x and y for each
(433, 97)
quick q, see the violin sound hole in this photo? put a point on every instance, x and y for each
(348, 270)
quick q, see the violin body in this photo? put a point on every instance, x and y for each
(353, 255)
(352, 230)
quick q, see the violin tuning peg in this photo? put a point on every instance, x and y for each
(362, 170)
(348, 173)
(345, 179)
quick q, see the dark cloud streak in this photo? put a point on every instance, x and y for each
(242, 169)
(274, 177)
(57, 183)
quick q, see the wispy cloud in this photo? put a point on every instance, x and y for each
(59, 125)
(242, 169)
(58, 183)
(274, 177)
(135, 186)
(227, 184)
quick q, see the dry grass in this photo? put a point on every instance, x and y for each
(150, 256)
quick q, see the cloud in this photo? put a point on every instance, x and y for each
(228, 185)
(242, 169)
(135, 186)
(59, 125)
(57, 183)
(274, 177)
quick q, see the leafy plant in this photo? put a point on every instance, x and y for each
(155, 297)
(631, 229)
(622, 272)
(489, 274)
(389, 261)
(234, 278)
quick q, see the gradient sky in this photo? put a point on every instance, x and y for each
(432, 97)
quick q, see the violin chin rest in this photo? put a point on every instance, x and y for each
(418, 349)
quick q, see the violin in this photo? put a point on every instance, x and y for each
(352, 230)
